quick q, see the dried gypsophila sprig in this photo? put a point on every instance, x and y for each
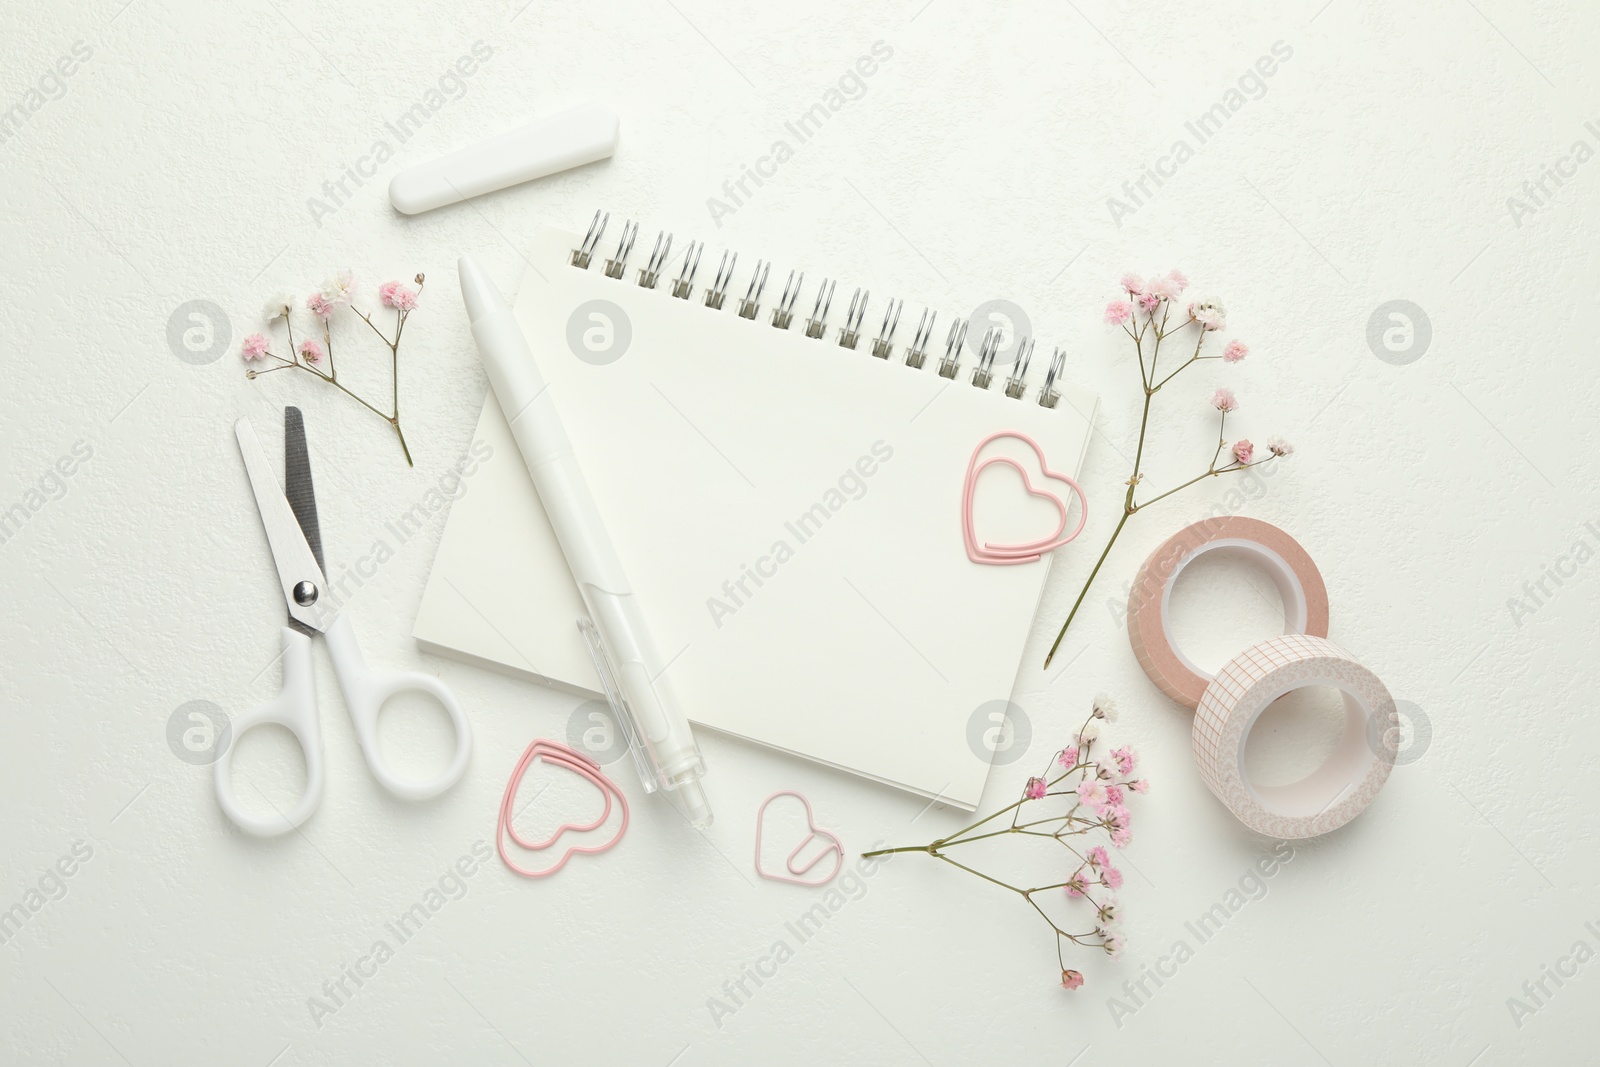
(1098, 805)
(310, 355)
(1153, 297)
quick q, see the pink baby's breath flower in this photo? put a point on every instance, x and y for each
(312, 352)
(320, 305)
(1092, 794)
(254, 347)
(1140, 786)
(1118, 312)
(1111, 877)
(1114, 794)
(1279, 447)
(1080, 881)
(1125, 760)
(1177, 280)
(1235, 351)
(1224, 400)
(1243, 450)
(1114, 945)
(1120, 823)
(1098, 856)
(397, 295)
(1169, 286)
(1133, 283)
(1068, 757)
(1149, 301)
(1071, 979)
(1035, 789)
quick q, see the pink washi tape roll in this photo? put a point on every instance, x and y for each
(1305, 597)
(1245, 687)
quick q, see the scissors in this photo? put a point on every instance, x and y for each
(293, 534)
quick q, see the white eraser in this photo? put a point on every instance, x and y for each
(544, 146)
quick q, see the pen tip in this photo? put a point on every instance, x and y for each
(477, 291)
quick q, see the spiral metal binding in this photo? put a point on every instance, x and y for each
(719, 288)
(952, 348)
(850, 332)
(891, 319)
(650, 273)
(1048, 395)
(581, 254)
(917, 354)
(752, 294)
(619, 262)
(783, 314)
(817, 324)
(983, 373)
(1016, 384)
(691, 263)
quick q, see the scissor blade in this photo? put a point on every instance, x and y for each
(297, 481)
(291, 554)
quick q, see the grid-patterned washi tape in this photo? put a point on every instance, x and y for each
(1245, 687)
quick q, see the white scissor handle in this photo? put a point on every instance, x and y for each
(365, 691)
(295, 708)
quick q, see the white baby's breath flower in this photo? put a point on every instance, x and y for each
(278, 306)
(338, 289)
(1105, 707)
(1210, 314)
(1090, 731)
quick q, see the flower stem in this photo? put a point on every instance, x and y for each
(1230, 469)
(891, 851)
(1151, 387)
(395, 422)
(980, 874)
(1126, 514)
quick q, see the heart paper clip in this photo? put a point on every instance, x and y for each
(1028, 552)
(797, 875)
(557, 754)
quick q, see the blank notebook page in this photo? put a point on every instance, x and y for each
(788, 512)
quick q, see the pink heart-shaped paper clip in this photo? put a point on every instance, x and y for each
(1002, 555)
(559, 755)
(797, 875)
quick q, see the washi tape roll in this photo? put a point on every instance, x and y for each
(1245, 687)
(1305, 597)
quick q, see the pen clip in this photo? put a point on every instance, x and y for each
(620, 711)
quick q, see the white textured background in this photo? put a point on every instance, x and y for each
(176, 165)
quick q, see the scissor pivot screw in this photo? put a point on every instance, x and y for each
(305, 594)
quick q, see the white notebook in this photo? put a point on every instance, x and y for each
(787, 508)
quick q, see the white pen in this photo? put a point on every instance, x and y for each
(658, 734)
